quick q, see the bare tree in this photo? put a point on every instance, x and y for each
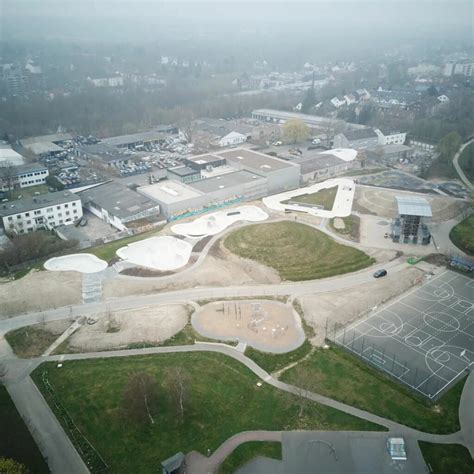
(178, 381)
(140, 396)
(303, 388)
(7, 177)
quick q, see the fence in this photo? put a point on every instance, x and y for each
(94, 461)
(376, 355)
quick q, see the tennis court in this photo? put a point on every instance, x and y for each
(425, 339)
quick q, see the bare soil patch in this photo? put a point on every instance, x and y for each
(346, 306)
(40, 291)
(119, 330)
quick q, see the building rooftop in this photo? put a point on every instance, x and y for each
(319, 162)
(53, 138)
(21, 169)
(308, 119)
(39, 148)
(204, 159)
(37, 202)
(255, 160)
(224, 181)
(183, 171)
(345, 154)
(117, 199)
(169, 191)
(8, 156)
(360, 134)
(413, 206)
(135, 137)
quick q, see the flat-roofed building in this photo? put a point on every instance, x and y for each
(46, 211)
(205, 161)
(118, 205)
(326, 164)
(177, 199)
(22, 176)
(9, 157)
(281, 175)
(137, 140)
(46, 145)
(314, 122)
(184, 174)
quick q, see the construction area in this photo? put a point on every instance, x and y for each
(265, 325)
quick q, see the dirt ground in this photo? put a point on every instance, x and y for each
(349, 305)
(382, 203)
(39, 291)
(265, 325)
(219, 268)
(152, 325)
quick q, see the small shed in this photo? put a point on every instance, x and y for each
(396, 448)
(173, 464)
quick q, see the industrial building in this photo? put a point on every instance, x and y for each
(411, 224)
(225, 178)
(281, 175)
(314, 122)
(357, 139)
(45, 146)
(325, 164)
(139, 140)
(46, 211)
(8, 156)
(118, 205)
(389, 154)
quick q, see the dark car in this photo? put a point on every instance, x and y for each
(380, 273)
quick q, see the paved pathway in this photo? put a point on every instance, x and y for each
(458, 168)
(295, 289)
(32, 406)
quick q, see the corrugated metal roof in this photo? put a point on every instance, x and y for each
(413, 206)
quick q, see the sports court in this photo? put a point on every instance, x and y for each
(425, 339)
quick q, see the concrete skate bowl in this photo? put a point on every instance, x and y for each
(216, 222)
(266, 325)
(157, 253)
(79, 262)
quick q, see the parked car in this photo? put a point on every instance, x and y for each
(380, 273)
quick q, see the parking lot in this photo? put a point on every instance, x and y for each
(425, 339)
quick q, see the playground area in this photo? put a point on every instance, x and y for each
(212, 224)
(79, 262)
(342, 203)
(158, 253)
(266, 325)
(425, 339)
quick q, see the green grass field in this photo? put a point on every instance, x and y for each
(466, 162)
(29, 192)
(16, 441)
(462, 235)
(339, 375)
(274, 362)
(324, 198)
(298, 252)
(351, 227)
(247, 451)
(223, 400)
(30, 341)
(447, 458)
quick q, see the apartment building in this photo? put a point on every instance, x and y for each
(46, 211)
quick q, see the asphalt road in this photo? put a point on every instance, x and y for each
(458, 168)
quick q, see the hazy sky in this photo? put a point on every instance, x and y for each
(139, 20)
